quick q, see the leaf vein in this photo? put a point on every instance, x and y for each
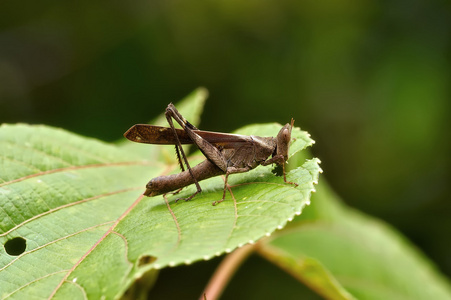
(125, 163)
(31, 282)
(54, 241)
(38, 151)
(96, 244)
(179, 231)
(66, 206)
(126, 246)
(20, 162)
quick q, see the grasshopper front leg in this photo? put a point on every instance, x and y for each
(280, 160)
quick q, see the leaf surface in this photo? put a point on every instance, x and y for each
(343, 254)
(89, 233)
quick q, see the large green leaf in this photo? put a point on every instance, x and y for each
(76, 205)
(341, 254)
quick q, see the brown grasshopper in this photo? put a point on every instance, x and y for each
(226, 153)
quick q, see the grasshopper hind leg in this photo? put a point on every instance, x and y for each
(171, 112)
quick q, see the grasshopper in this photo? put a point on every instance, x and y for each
(226, 153)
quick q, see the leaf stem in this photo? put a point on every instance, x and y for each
(224, 272)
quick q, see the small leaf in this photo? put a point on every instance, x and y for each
(88, 231)
(341, 254)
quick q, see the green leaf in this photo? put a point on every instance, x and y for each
(89, 233)
(341, 254)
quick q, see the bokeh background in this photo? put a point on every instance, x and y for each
(370, 80)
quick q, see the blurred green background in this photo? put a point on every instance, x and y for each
(370, 80)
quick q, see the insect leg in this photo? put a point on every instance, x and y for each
(179, 118)
(230, 170)
(279, 159)
(211, 152)
(178, 147)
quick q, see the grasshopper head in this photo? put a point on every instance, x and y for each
(283, 140)
(152, 188)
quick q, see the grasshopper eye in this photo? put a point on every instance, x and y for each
(283, 140)
(286, 135)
